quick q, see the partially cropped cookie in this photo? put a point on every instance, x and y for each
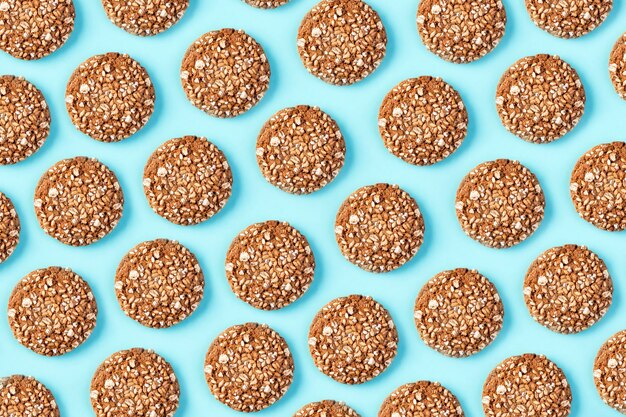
(617, 66)
(609, 371)
(10, 227)
(568, 18)
(326, 408)
(421, 399)
(267, 4)
(540, 98)
(341, 41)
(24, 396)
(422, 120)
(145, 17)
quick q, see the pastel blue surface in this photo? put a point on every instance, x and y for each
(355, 108)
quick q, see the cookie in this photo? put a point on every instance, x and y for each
(617, 66)
(568, 18)
(110, 97)
(609, 371)
(500, 203)
(187, 180)
(135, 381)
(458, 312)
(353, 339)
(249, 367)
(145, 17)
(24, 396)
(341, 41)
(422, 120)
(266, 4)
(10, 228)
(225, 73)
(568, 289)
(159, 283)
(379, 227)
(461, 31)
(326, 408)
(423, 399)
(24, 119)
(270, 265)
(540, 98)
(598, 186)
(52, 311)
(33, 29)
(300, 149)
(530, 383)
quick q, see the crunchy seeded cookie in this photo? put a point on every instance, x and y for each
(500, 203)
(540, 98)
(598, 186)
(24, 396)
(353, 339)
(379, 227)
(249, 367)
(187, 180)
(110, 97)
(326, 408)
(33, 29)
(458, 312)
(24, 119)
(530, 383)
(341, 41)
(568, 18)
(10, 227)
(145, 17)
(135, 381)
(159, 283)
(78, 201)
(52, 311)
(270, 265)
(225, 73)
(617, 66)
(423, 399)
(266, 4)
(461, 31)
(422, 120)
(300, 149)
(609, 371)
(568, 289)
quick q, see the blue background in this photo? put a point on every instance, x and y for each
(355, 108)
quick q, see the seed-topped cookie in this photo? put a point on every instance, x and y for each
(568, 18)
(10, 227)
(24, 396)
(341, 41)
(266, 4)
(423, 399)
(326, 408)
(617, 66)
(609, 371)
(145, 17)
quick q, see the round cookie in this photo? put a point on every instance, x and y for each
(52, 311)
(341, 41)
(423, 399)
(187, 180)
(353, 339)
(528, 382)
(266, 4)
(598, 186)
(33, 29)
(270, 265)
(225, 73)
(24, 119)
(145, 17)
(568, 289)
(10, 227)
(459, 312)
(24, 396)
(249, 367)
(159, 283)
(110, 97)
(300, 149)
(461, 31)
(609, 371)
(422, 120)
(500, 203)
(568, 18)
(617, 66)
(379, 227)
(540, 98)
(135, 380)
(326, 408)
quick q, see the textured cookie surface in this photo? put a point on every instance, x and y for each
(10, 227)
(617, 66)
(110, 97)
(341, 41)
(24, 119)
(609, 371)
(568, 18)
(266, 4)
(422, 120)
(568, 289)
(78, 201)
(24, 396)
(461, 31)
(353, 339)
(187, 180)
(159, 283)
(458, 312)
(540, 98)
(145, 17)
(270, 265)
(379, 227)
(300, 149)
(421, 399)
(249, 367)
(225, 73)
(500, 203)
(326, 408)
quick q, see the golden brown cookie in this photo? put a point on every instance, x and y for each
(266, 4)
(10, 227)
(326, 408)
(145, 17)
(421, 399)
(568, 18)
(617, 66)
(609, 371)
(24, 396)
